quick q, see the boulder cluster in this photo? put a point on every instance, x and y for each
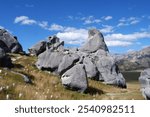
(74, 66)
(8, 44)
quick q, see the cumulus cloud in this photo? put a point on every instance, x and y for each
(128, 21)
(43, 24)
(107, 29)
(118, 39)
(73, 35)
(108, 18)
(24, 20)
(56, 27)
(90, 20)
(118, 43)
(131, 37)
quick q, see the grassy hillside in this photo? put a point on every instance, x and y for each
(46, 86)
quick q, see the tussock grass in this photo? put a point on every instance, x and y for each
(47, 86)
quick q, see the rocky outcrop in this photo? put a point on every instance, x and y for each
(74, 66)
(9, 42)
(52, 44)
(96, 42)
(136, 60)
(49, 60)
(38, 48)
(144, 80)
(5, 60)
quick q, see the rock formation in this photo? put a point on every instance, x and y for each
(76, 65)
(96, 42)
(145, 83)
(75, 78)
(53, 43)
(38, 48)
(9, 43)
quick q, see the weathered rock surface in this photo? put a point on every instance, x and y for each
(68, 61)
(109, 70)
(52, 44)
(75, 78)
(5, 60)
(93, 60)
(96, 41)
(49, 60)
(38, 48)
(91, 69)
(9, 43)
(144, 80)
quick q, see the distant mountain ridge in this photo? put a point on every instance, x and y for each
(134, 60)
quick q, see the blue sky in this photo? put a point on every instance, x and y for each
(124, 23)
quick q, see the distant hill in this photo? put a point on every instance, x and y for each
(134, 60)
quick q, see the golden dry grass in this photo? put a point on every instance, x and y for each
(47, 86)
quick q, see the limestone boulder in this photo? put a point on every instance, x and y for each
(9, 42)
(75, 78)
(38, 48)
(95, 42)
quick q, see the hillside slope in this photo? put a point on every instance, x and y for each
(47, 86)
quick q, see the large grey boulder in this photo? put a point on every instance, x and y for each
(75, 78)
(144, 80)
(95, 42)
(5, 60)
(49, 60)
(68, 61)
(9, 42)
(109, 71)
(38, 48)
(91, 69)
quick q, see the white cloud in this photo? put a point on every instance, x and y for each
(123, 19)
(118, 43)
(43, 24)
(90, 20)
(56, 27)
(73, 36)
(134, 21)
(107, 29)
(128, 21)
(122, 24)
(108, 18)
(130, 37)
(70, 17)
(119, 39)
(24, 20)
